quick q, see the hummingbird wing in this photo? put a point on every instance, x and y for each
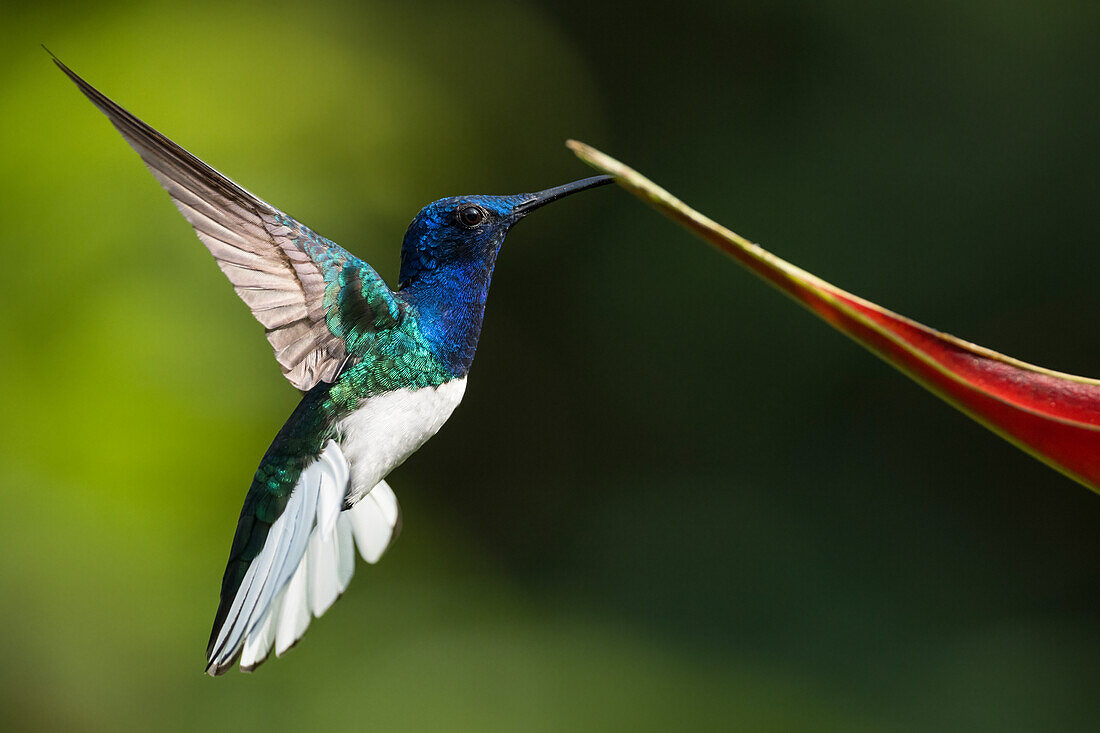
(289, 276)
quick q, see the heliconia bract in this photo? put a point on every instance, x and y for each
(1051, 415)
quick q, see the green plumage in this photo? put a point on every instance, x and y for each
(387, 351)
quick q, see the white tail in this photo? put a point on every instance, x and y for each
(306, 562)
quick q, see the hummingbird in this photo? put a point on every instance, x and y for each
(381, 370)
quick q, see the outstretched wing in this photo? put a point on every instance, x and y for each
(289, 276)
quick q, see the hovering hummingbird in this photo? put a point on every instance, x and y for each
(381, 370)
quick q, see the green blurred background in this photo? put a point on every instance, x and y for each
(672, 500)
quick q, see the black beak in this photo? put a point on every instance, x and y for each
(542, 198)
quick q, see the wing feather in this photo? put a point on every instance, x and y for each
(278, 267)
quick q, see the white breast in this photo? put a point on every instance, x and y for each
(388, 428)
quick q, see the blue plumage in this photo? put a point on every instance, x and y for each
(446, 267)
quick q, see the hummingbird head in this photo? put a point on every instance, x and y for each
(463, 234)
(447, 262)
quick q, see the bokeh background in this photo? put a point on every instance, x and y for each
(672, 500)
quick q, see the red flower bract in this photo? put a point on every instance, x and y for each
(1053, 416)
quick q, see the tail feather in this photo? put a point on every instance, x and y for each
(322, 576)
(375, 521)
(306, 563)
(292, 618)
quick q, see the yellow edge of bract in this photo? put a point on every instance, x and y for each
(677, 210)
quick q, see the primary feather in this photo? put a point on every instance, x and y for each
(279, 268)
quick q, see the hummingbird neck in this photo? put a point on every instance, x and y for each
(450, 306)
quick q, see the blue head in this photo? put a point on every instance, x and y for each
(447, 262)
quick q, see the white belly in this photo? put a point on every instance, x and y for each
(388, 428)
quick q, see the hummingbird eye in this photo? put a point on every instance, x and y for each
(470, 216)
